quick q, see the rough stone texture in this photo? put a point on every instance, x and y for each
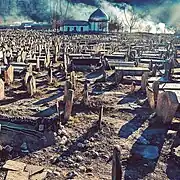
(9, 75)
(1, 89)
(31, 85)
(167, 105)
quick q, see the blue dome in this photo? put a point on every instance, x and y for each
(98, 16)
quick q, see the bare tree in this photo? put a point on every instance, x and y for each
(148, 28)
(131, 18)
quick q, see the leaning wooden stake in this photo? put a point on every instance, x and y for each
(85, 95)
(100, 117)
(116, 164)
(68, 105)
(59, 112)
(50, 75)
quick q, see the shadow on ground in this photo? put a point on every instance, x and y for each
(147, 148)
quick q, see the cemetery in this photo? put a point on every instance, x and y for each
(89, 106)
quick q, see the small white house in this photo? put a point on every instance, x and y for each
(98, 22)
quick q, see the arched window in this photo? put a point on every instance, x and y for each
(100, 26)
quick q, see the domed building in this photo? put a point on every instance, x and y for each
(98, 22)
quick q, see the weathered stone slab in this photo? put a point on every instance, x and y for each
(14, 165)
(17, 175)
(39, 176)
(33, 169)
(167, 104)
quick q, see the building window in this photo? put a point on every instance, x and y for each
(74, 28)
(82, 29)
(100, 26)
(68, 29)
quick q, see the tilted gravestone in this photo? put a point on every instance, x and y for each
(167, 104)
(31, 85)
(9, 74)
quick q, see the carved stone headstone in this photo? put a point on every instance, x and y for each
(68, 85)
(9, 74)
(167, 104)
(31, 85)
(68, 105)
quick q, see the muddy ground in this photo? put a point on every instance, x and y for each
(79, 149)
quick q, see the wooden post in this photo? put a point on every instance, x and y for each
(116, 164)
(73, 79)
(155, 88)
(56, 53)
(50, 75)
(68, 85)
(68, 105)
(100, 117)
(85, 95)
(144, 81)
(37, 64)
(58, 110)
(47, 60)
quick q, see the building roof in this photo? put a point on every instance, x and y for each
(99, 16)
(75, 23)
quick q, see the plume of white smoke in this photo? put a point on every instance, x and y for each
(141, 24)
(115, 11)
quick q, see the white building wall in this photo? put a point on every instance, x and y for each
(71, 28)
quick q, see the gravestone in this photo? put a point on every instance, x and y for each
(9, 74)
(1, 89)
(144, 81)
(31, 85)
(167, 104)
(68, 104)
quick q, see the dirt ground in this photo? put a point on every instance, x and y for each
(82, 151)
